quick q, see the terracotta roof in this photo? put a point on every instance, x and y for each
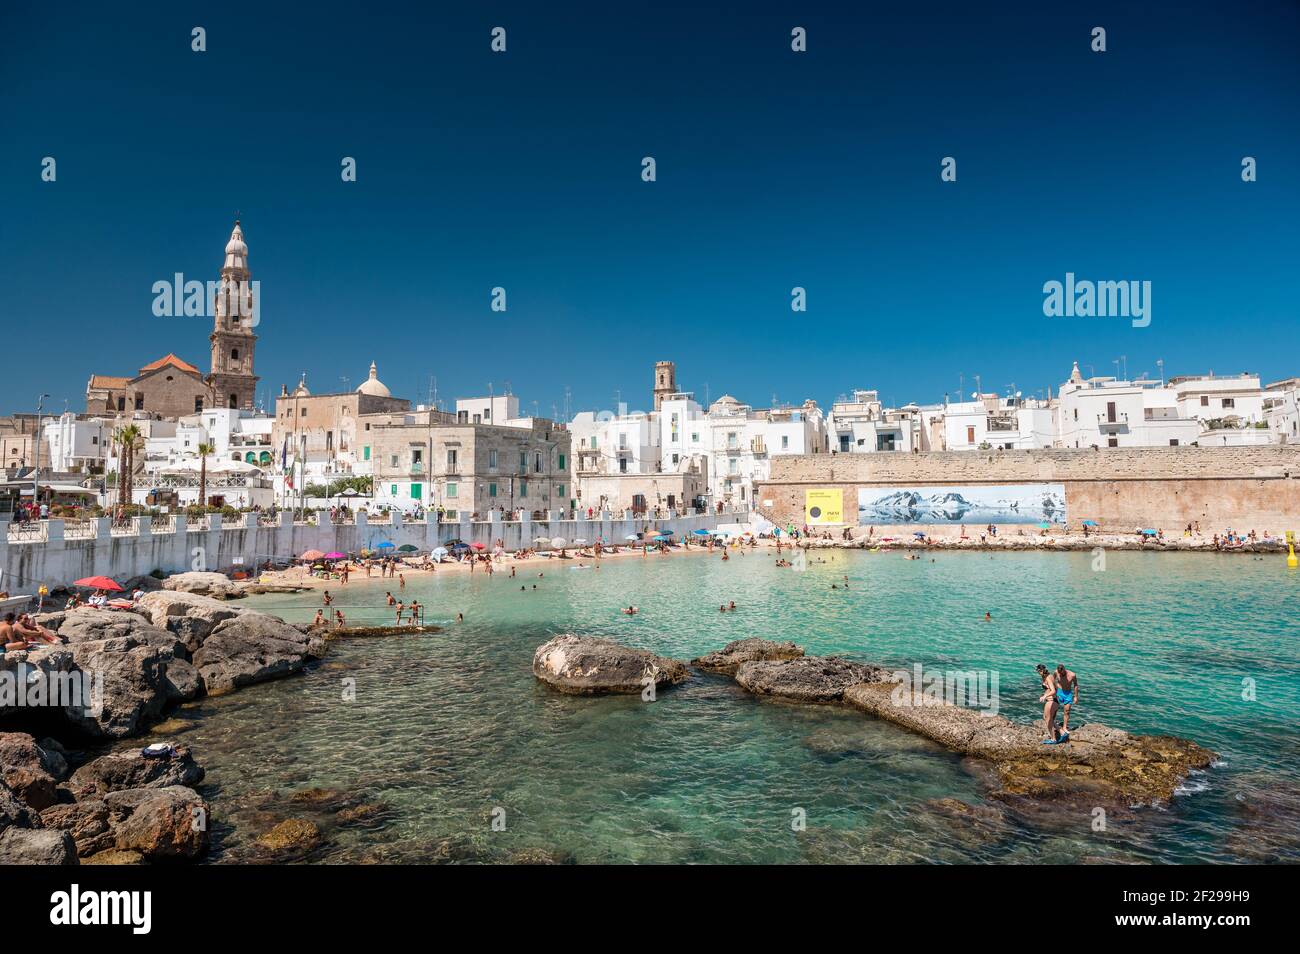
(171, 359)
(107, 381)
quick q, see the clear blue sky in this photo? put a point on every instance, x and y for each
(775, 169)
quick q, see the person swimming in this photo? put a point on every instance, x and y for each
(630, 611)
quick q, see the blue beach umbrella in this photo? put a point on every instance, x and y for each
(1090, 523)
(385, 545)
(700, 533)
(1044, 525)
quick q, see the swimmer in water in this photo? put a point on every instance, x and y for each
(630, 611)
(988, 617)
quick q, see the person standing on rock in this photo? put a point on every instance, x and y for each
(1048, 698)
(1067, 694)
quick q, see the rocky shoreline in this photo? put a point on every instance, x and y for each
(117, 673)
(1099, 766)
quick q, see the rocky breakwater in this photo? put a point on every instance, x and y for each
(1099, 765)
(587, 666)
(121, 808)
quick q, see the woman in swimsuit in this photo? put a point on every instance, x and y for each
(1048, 698)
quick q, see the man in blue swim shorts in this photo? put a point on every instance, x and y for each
(1067, 694)
(1060, 691)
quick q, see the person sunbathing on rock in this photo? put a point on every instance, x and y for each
(9, 639)
(30, 630)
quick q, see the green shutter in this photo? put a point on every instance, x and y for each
(416, 491)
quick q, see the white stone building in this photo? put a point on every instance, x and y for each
(77, 444)
(1282, 410)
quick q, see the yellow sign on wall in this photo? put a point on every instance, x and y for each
(823, 506)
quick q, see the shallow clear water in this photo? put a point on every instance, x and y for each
(449, 729)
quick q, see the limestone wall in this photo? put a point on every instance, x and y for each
(1240, 487)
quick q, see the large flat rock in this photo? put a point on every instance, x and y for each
(585, 665)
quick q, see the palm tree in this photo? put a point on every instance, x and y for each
(204, 450)
(130, 437)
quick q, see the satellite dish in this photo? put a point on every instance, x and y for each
(1017, 394)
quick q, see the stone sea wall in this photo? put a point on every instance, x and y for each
(1240, 487)
(50, 553)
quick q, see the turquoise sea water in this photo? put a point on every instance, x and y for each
(449, 730)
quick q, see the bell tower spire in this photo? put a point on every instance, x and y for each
(232, 380)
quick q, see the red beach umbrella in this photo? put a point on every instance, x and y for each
(98, 583)
(479, 546)
(312, 555)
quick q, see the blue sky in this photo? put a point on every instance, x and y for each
(775, 169)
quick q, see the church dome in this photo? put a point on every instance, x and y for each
(372, 385)
(236, 244)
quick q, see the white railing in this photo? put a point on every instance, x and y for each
(80, 529)
(126, 527)
(163, 524)
(32, 531)
(203, 522)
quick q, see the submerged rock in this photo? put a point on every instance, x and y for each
(585, 665)
(806, 679)
(738, 652)
(294, 834)
(114, 856)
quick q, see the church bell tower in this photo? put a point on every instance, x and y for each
(232, 380)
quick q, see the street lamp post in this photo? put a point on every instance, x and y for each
(36, 469)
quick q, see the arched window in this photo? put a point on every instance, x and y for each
(250, 458)
(234, 354)
(234, 400)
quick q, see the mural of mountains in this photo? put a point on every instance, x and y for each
(1027, 503)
